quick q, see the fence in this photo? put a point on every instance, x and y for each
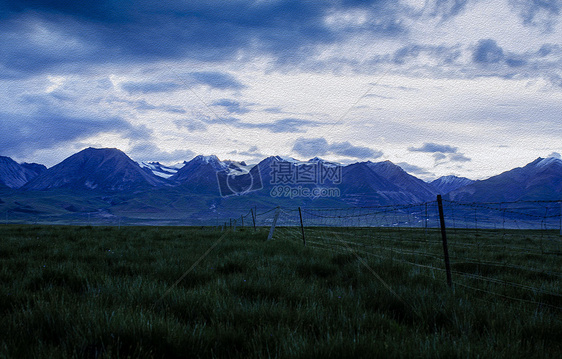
(508, 250)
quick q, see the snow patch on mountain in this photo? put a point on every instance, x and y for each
(321, 161)
(544, 162)
(287, 159)
(450, 183)
(237, 168)
(161, 170)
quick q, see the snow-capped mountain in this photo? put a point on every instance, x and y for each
(106, 169)
(323, 162)
(161, 170)
(446, 184)
(200, 174)
(207, 178)
(15, 175)
(195, 168)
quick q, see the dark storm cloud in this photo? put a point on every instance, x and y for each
(439, 157)
(20, 135)
(515, 61)
(69, 37)
(310, 147)
(40, 35)
(402, 54)
(348, 150)
(441, 153)
(538, 12)
(431, 147)
(487, 51)
(448, 8)
(459, 157)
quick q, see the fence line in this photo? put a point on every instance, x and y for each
(486, 241)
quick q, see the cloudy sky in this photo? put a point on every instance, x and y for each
(463, 87)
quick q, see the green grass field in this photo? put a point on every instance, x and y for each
(93, 292)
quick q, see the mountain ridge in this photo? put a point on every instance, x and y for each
(95, 169)
(538, 180)
(361, 183)
(16, 175)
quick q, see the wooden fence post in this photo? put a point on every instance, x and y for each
(444, 238)
(302, 227)
(560, 218)
(274, 223)
(426, 218)
(253, 217)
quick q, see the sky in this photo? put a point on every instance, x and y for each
(439, 87)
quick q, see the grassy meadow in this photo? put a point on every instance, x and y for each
(108, 292)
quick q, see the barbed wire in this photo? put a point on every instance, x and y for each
(509, 297)
(378, 241)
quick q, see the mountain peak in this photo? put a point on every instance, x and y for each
(96, 168)
(450, 183)
(206, 159)
(386, 166)
(15, 175)
(105, 150)
(5, 159)
(545, 162)
(538, 180)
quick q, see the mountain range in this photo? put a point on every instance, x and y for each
(538, 180)
(108, 182)
(96, 169)
(15, 175)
